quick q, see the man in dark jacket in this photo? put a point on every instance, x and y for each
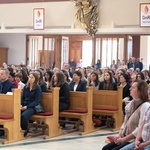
(5, 86)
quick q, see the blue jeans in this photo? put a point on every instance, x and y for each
(25, 115)
(129, 146)
(132, 145)
(147, 147)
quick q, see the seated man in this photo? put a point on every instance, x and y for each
(5, 86)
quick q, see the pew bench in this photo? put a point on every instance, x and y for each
(10, 116)
(50, 118)
(81, 108)
(109, 103)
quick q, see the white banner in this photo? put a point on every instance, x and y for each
(145, 15)
(38, 18)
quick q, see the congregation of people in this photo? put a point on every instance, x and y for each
(132, 77)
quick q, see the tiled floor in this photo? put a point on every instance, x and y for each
(71, 141)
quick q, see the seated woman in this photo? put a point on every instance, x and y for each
(94, 80)
(108, 83)
(140, 76)
(135, 111)
(12, 79)
(124, 82)
(48, 77)
(30, 98)
(142, 140)
(66, 75)
(41, 81)
(77, 84)
(18, 78)
(58, 80)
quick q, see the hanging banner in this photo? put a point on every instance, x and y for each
(38, 18)
(145, 14)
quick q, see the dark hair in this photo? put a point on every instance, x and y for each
(24, 76)
(60, 79)
(66, 74)
(35, 82)
(97, 79)
(112, 71)
(41, 81)
(141, 74)
(142, 88)
(78, 73)
(50, 73)
(12, 74)
(125, 76)
(10, 69)
(108, 86)
(110, 74)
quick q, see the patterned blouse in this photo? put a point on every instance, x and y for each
(146, 127)
(135, 112)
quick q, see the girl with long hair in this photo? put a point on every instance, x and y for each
(30, 98)
(58, 80)
(108, 83)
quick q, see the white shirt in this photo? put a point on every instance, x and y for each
(21, 85)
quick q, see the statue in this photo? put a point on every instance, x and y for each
(87, 15)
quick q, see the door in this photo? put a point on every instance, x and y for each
(43, 51)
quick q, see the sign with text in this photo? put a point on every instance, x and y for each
(38, 18)
(145, 14)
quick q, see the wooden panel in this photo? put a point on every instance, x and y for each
(46, 102)
(6, 105)
(81, 100)
(46, 58)
(136, 46)
(3, 55)
(10, 106)
(75, 52)
(77, 100)
(109, 100)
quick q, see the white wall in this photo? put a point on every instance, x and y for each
(120, 12)
(16, 44)
(56, 13)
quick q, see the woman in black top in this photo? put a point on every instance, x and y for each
(77, 84)
(124, 82)
(108, 83)
(31, 97)
(58, 80)
(41, 81)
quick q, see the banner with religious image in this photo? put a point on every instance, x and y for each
(145, 14)
(38, 18)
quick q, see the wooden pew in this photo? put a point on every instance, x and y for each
(50, 102)
(10, 116)
(81, 108)
(106, 102)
